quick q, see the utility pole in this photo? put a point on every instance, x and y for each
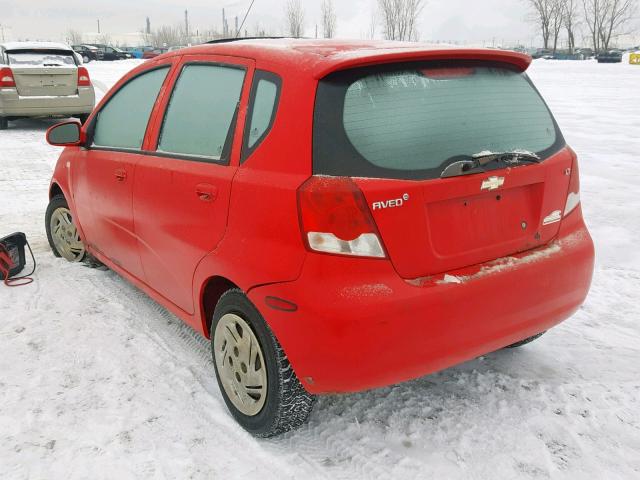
(2, 31)
(316, 30)
(186, 23)
(224, 25)
(148, 29)
(237, 30)
(98, 25)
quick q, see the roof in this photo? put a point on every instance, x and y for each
(35, 46)
(320, 57)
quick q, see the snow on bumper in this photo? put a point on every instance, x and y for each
(348, 336)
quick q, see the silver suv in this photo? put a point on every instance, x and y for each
(42, 79)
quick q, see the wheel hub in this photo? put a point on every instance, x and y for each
(65, 235)
(240, 364)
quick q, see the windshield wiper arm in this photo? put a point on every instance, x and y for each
(510, 158)
(479, 160)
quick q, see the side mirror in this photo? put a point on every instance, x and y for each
(67, 134)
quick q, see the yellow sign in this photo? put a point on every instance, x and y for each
(634, 59)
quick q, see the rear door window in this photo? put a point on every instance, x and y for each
(411, 121)
(122, 122)
(202, 110)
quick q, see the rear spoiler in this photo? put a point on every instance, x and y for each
(366, 57)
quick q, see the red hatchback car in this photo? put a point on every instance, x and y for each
(335, 216)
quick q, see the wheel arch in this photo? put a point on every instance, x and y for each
(54, 190)
(212, 289)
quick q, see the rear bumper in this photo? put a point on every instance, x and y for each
(359, 325)
(14, 105)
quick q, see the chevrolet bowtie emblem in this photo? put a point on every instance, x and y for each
(492, 183)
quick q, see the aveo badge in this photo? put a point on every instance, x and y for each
(394, 203)
(492, 183)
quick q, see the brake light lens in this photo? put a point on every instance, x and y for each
(573, 197)
(335, 218)
(83, 77)
(6, 78)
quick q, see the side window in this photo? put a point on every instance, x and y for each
(122, 122)
(265, 93)
(201, 113)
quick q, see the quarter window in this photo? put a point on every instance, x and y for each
(122, 122)
(264, 103)
(202, 111)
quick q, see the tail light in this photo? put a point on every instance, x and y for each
(6, 78)
(335, 218)
(573, 197)
(83, 77)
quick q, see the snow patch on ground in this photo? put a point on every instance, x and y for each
(98, 381)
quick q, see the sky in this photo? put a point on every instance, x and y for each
(482, 22)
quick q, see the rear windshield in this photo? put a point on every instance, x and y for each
(411, 121)
(41, 58)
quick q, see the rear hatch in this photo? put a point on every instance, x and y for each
(44, 72)
(395, 129)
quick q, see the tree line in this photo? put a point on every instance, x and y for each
(605, 20)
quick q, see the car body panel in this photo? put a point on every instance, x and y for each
(194, 214)
(360, 326)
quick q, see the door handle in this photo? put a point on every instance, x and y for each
(120, 174)
(206, 192)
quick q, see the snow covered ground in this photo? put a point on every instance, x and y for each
(98, 381)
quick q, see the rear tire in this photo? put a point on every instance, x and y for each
(526, 340)
(4, 123)
(261, 391)
(86, 59)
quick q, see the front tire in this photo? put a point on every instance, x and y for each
(260, 388)
(62, 232)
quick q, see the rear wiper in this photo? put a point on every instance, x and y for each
(479, 160)
(510, 158)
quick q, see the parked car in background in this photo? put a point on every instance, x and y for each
(177, 47)
(154, 53)
(41, 79)
(110, 53)
(135, 52)
(610, 56)
(587, 53)
(86, 52)
(334, 216)
(542, 53)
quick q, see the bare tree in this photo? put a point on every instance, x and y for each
(371, 34)
(399, 18)
(593, 16)
(104, 39)
(542, 14)
(616, 16)
(329, 19)
(571, 22)
(295, 18)
(168, 36)
(74, 37)
(556, 21)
